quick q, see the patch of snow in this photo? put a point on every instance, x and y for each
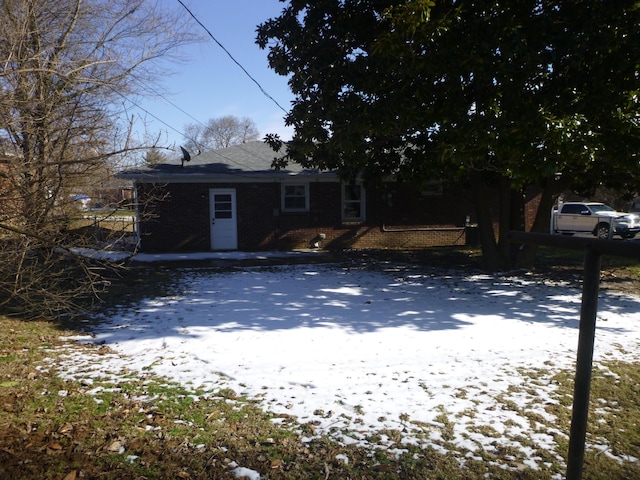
(355, 352)
(243, 472)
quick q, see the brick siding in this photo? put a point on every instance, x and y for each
(176, 218)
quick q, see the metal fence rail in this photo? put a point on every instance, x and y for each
(593, 251)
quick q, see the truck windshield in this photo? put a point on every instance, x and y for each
(601, 208)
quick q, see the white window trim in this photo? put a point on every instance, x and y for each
(306, 196)
(363, 203)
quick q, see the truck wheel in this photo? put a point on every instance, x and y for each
(602, 231)
(629, 235)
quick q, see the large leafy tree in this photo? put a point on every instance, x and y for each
(495, 95)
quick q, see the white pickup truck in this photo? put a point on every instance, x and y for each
(594, 218)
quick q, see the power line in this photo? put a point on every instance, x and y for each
(176, 130)
(145, 85)
(230, 160)
(232, 58)
(147, 112)
(135, 104)
(186, 113)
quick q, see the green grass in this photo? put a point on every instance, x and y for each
(150, 428)
(155, 429)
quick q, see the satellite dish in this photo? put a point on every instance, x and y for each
(185, 155)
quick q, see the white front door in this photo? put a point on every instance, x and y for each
(224, 229)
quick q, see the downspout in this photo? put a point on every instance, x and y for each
(136, 222)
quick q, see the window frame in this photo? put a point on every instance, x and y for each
(283, 196)
(361, 201)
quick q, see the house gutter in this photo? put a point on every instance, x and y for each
(422, 229)
(387, 229)
(240, 177)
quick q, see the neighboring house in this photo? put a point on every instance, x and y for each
(112, 195)
(231, 199)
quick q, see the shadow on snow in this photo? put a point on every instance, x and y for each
(360, 301)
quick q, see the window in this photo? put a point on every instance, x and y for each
(222, 205)
(295, 197)
(353, 202)
(571, 208)
(575, 209)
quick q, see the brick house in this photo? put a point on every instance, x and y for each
(231, 199)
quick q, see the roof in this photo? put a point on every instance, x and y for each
(246, 162)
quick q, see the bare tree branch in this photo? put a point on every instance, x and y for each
(220, 133)
(65, 65)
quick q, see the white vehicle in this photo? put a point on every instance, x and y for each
(594, 218)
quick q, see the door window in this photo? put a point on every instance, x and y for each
(222, 205)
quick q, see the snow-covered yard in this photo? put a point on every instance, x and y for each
(360, 353)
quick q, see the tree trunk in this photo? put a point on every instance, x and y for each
(514, 222)
(490, 255)
(511, 218)
(500, 254)
(541, 223)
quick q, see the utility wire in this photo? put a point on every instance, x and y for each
(186, 113)
(232, 58)
(147, 112)
(230, 160)
(177, 107)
